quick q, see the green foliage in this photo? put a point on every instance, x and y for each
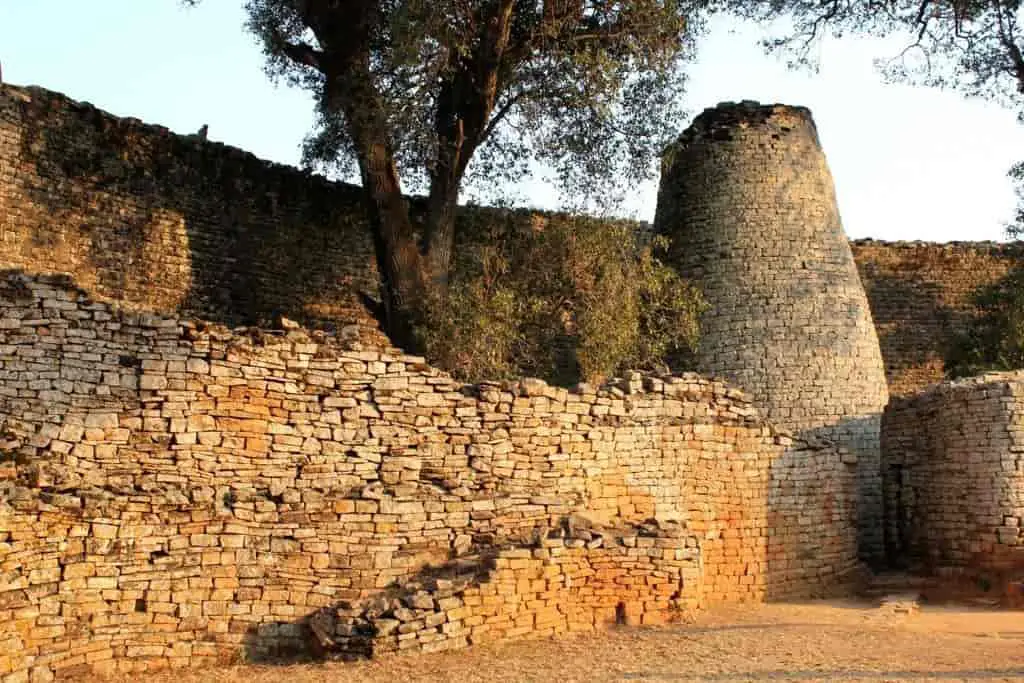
(970, 46)
(429, 95)
(1015, 229)
(589, 87)
(995, 339)
(565, 298)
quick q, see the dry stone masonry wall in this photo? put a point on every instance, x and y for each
(953, 459)
(747, 199)
(922, 298)
(173, 493)
(176, 224)
(173, 223)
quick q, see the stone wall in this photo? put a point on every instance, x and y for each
(173, 493)
(748, 201)
(921, 298)
(173, 223)
(953, 463)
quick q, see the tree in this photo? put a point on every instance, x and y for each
(994, 337)
(975, 47)
(972, 46)
(410, 92)
(578, 298)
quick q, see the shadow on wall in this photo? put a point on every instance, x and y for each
(861, 460)
(580, 576)
(954, 476)
(910, 303)
(208, 491)
(925, 301)
(567, 579)
(813, 542)
(577, 577)
(912, 321)
(342, 631)
(990, 337)
(177, 223)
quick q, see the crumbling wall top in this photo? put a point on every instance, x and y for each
(721, 121)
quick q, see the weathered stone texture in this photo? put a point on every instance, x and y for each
(953, 465)
(173, 493)
(173, 223)
(922, 297)
(748, 200)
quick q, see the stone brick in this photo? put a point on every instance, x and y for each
(251, 482)
(215, 525)
(948, 489)
(749, 204)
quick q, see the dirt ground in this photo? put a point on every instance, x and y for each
(833, 641)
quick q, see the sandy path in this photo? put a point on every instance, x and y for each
(835, 641)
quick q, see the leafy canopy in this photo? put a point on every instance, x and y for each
(589, 87)
(994, 338)
(565, 299)
(971, 46)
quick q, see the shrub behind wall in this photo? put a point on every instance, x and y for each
(565, 298)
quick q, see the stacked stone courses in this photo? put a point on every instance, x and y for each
(174, 223)
(174, 493)
(184, 226)
(748, 202)
(923, 296)
(953, 459)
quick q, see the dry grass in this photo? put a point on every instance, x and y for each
(835, 641)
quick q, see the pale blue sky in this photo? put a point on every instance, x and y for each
(909, 163)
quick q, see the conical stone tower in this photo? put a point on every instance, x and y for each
(748, 201)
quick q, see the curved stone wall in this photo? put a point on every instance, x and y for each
(172, 493)
(953, 460)
(747, 198)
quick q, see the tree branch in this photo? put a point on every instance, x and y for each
(503, 112)
(301, 53)
(1007, 39)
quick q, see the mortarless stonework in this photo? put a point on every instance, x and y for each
(171, 223)
(953, 465)
(922, 297)
(173, 493)
(174, 223)
(748, 201)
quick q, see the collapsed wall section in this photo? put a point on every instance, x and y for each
(172, 493)
(953, 466)
(747, 199)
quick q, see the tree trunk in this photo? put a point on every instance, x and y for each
(465, 105)
(440, 231)
(398, 256)
(412, 275)
(398, 259)
(408, 274)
